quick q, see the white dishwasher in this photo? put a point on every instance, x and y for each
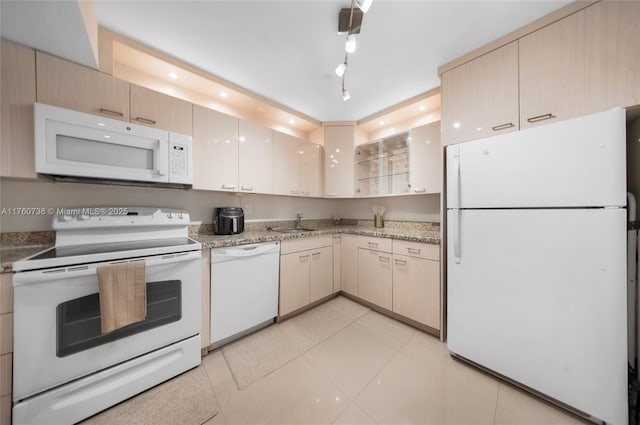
(244, 290)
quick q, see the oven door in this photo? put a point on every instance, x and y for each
(57, 320)
(71, 143)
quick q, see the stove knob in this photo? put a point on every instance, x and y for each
(65, 217)
(170, 215)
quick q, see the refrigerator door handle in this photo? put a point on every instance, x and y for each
(456, 227)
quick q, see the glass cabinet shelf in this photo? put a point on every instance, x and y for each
(382, 167)
(384, 176)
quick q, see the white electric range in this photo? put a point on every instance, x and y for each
(64, 368)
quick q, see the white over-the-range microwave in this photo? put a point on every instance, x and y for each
(72, 145)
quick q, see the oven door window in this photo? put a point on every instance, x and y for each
(78, 320)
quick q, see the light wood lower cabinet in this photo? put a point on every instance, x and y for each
(17, 95)
(337, 260)
(306, 272)
(321, 273)
(416, 289)
(349, 264)
(375, 277)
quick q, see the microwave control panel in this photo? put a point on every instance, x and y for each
(180, 159)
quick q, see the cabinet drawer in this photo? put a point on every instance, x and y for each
(417, 249)
(376, 244)
(303, 244)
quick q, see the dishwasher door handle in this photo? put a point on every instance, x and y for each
(248, 251)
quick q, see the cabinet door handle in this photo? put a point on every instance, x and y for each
(372, 244)
(383, 259)
(294, 192)
(331, 194)
(541, 117)
(111, 112)
(503, 126)
(306, 193)
(228, 186)
(413, 250)
(304, 256)
(401, 262)
(315, 253)
(420, 190)
(145, 120)
(247, 188)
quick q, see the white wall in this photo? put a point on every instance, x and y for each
(407, 208)
(200, 204)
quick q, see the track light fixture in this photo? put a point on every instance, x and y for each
(351, 30)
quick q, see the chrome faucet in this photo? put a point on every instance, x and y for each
(298, 220)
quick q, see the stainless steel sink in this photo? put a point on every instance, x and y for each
(292, 229)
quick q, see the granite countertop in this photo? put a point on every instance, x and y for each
(251, 236)
(11, 253)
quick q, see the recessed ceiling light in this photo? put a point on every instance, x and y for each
(223, 94)
(173, 75)
(292, 121)
(301, 152)
(381, 122)
(338, 150)
(422, 107)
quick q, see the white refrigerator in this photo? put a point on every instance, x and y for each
(536, 260)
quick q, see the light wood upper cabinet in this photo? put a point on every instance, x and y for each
(155, 109)
(585, 63)
(17, 95)
(311, 178)
(349, 263)
(256, 158)
(552, 72)
(287, 164)
(321, 273)
(68, 85)
(338, 161)
(480, 97)
(215, 150)
(425, 160)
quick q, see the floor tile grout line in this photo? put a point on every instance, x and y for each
(303, 352)
(211, 384)
(365, 412)
(383, 366)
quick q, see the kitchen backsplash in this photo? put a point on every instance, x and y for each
(200, 204)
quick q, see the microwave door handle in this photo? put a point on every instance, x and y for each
(162, 157)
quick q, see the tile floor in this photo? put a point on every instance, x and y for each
(375, 371)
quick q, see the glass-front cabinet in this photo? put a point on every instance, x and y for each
(382, 167)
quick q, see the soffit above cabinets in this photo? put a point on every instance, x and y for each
(138, 67)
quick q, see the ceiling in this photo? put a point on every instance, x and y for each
(287, 51)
